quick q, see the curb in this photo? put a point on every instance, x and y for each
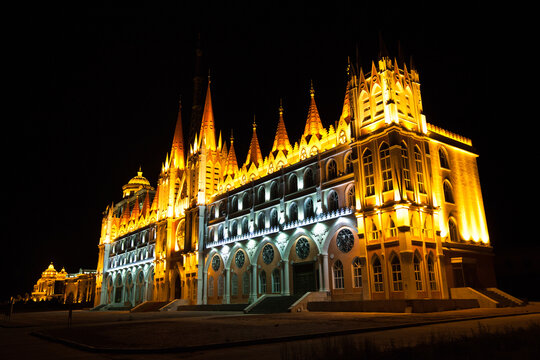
(182, 349)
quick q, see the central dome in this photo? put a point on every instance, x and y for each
(135, 184)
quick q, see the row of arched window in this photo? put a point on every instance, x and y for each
(243, 281)
(395, 273)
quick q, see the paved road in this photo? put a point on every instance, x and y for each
(17, 343)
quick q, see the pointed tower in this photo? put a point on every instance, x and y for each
(177, 149)
(281, 140)
(232, 164)
(254, 155)
(207, 135)
(314, 125)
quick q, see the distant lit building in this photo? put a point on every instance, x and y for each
(66, 288)
(380, 204)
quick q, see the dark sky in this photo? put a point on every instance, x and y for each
(100, 98)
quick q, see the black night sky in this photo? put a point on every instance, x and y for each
(99, 97)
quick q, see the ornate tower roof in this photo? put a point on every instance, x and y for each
(207, 135)
(313, 123)
(177, 149)
(136, 183)
(281, 140)
(232, 164)
(254, 155)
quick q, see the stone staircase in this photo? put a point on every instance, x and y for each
(272, 304)
(502, 299)
(148, 306)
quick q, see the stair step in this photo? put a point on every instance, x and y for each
(274, 304)
(502, 301)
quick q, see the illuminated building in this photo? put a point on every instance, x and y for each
(379, 205)
(66, 288)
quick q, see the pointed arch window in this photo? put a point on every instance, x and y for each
(245, 283)
(431, 273)
(453, 231)
(337, 271)
(357, 272)
(293, 212)
(447, 191)
(210, 286)
(443, 159)
(331, 170)
(308, 178)
(221, 285)
(234, 284)
(276, 281)
(333, 201)
(233, 229)
(233, 207)
(342, 137)
(351, 197)
(417, 273)
(245, 226)
(386, 167)
(374, 233)
(262, 282)
(378, 285)
(293, 183)
(397, 282)
(405, 168)
(349, 169)
(308, 208)
(274, 193)
(369, 179)
(274, 218)
(419, 170)
(261, 197)
(261, 221)
(392, 229)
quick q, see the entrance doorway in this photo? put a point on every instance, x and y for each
(177, 287)
(304, 278)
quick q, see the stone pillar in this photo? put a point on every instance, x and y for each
(202, 291)
(227, 293)
(321, 283)
(326, 276)
(253, 292)
(286, 285)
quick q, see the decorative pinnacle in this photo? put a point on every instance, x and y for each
(280, 106)
(254, 123)
(232, 137)
(312, 91)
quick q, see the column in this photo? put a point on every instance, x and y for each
(321, 283)
(227, 293)
(325, 273)
(286, 287)
(253, 292)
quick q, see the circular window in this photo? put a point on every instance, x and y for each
(302, 248)
(216, 262)
(345, 240)
(268, 253)
(239, 259)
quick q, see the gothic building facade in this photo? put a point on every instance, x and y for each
(379, 205)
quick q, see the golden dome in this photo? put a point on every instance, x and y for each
(139, 179)
(135, 184)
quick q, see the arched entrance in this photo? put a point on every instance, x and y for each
(177, 287)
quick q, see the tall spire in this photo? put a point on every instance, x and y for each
(198, 88)
(281, 140)
(232, 164)
(207, 137)
(254, 154)
(313, 123)
(177, 149)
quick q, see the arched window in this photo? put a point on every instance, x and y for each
(293, 183)
(308, 178)
(333, 201)
(342, 137)
(351, 197)
(274, 194)
(222, 209)
(233, 229)
(337, 271)
(431, 272)
(233, 207)
(261, 221)
(245, 226)
(262, 282)
(234, 284)
(374, 233)
(211, 213)
(443, 159)
(357, 272)
(386, 167)
(369, 180)
(308, 208)
(331, 170)
(419, 170)
(221, 285)
(261, 195)
(276, 281)
(246, 200)
(397, 282)
(293, 212)
(447, 191)
(417, 272)
(453, 231)
(392, 229)
(210, 286)
(348, 164)
(405, 169)
(220, 232)
(274, 218)
(245, 283)
(378, 284)
(211, 234)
